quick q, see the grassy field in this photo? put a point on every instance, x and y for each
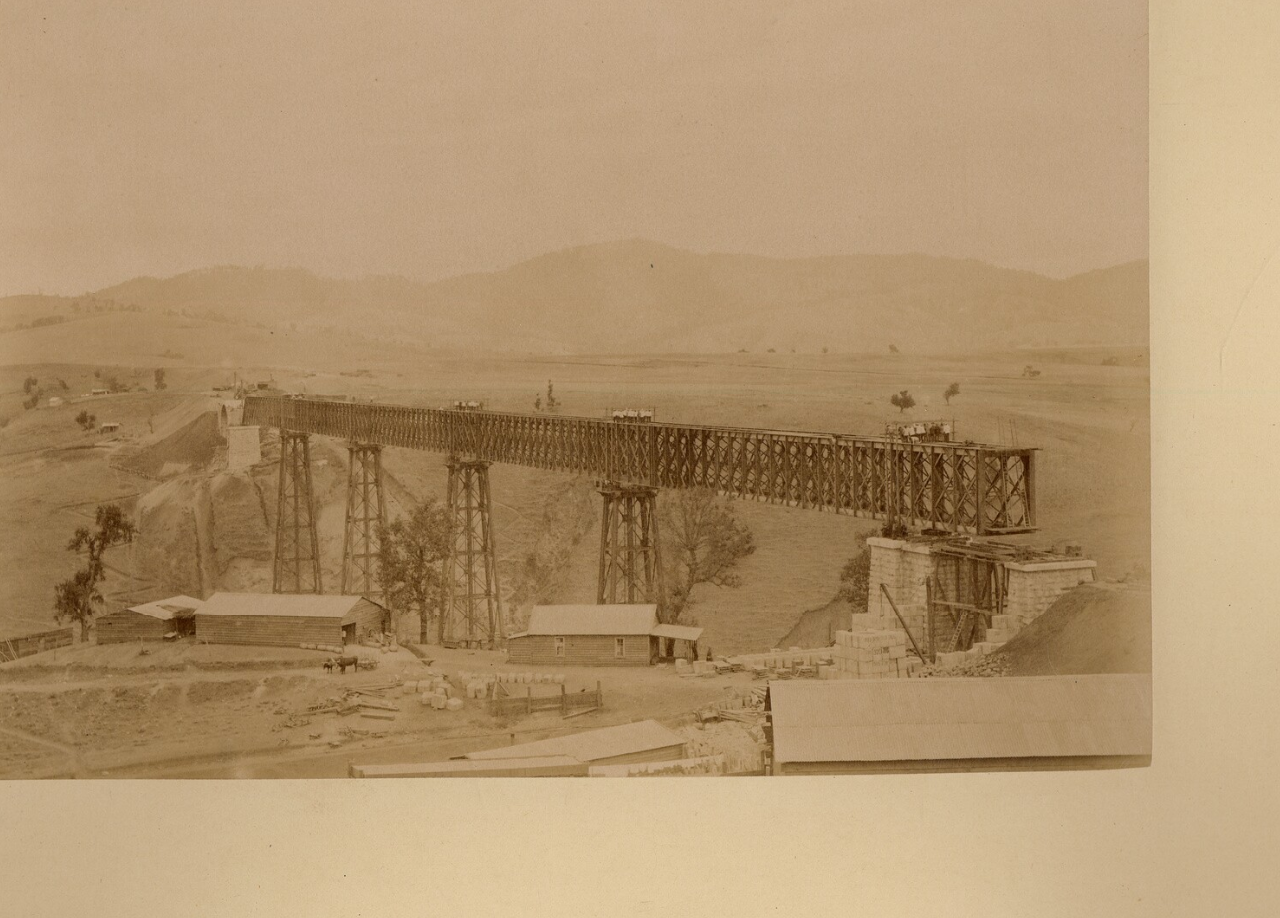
(1090, 421)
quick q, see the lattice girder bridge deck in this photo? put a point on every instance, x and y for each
(945, 486)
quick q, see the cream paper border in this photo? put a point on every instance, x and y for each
(1193, 834)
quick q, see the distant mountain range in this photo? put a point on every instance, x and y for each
(639, 296)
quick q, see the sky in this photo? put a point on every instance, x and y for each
(433, 139)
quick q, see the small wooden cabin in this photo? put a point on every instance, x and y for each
(288, 619)
(150, 621)
(607, 635)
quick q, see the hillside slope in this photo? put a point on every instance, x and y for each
(639, 296)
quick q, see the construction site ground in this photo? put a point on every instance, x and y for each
(186, 710)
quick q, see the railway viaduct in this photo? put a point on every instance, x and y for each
(936, 485)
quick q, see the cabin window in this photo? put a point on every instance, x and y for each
(619, 647)
(559, 647)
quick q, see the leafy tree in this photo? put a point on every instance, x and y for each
(78, 598)
(893, 349)
(552, 402)
(411, 555)
(28, 384)
(855, 576)
(952, 391)
(705, 541)
(902, 401)
(86, 420)
(537, 402)
(159, 377)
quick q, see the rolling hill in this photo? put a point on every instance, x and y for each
(639, 296)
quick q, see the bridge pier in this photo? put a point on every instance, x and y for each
(366, 513)
(296, 563)
(472, 610)
(630, 560)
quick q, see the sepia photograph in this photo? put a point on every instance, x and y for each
(574, 390)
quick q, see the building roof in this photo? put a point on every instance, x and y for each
(299, 604)
(611, 619)
(173, 607)
(931, 719)
(463, 768)
(679, 632)
(591, 745)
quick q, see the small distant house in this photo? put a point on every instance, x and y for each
(55, 401)
(606, 635)
(109, 427)
(99, 391)
(288, 619)
(150, 621)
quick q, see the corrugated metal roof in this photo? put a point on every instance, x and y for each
(613, 619)
(302, 604)
(908, 719)
(679, 632)
(168, 608)
(591, 745)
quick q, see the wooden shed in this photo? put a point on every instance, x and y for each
(608, 635)
(150, 621)
(553, 766)
(288, 619)
(1032, 723)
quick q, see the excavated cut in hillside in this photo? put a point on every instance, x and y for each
(1092, 629)
(192, 446)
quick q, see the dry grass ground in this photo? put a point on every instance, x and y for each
(207, 530)
(187, 710)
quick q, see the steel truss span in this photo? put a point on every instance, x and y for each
(950, 487)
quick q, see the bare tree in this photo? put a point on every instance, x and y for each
(566, 516)
(704, 543)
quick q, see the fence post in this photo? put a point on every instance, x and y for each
(564, 700)
(530, 701)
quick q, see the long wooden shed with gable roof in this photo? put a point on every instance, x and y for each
(605, 635)
(1012, 723)
(288, 619)
(149, 621)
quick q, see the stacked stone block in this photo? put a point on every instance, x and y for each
(1035, 586)
(244, 448)
(905, 567)
(871, 655)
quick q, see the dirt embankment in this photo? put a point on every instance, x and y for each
(1093, 629)
(818, 627)
(192, 446)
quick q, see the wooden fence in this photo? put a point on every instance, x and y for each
(566, 703)
(28, 644)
